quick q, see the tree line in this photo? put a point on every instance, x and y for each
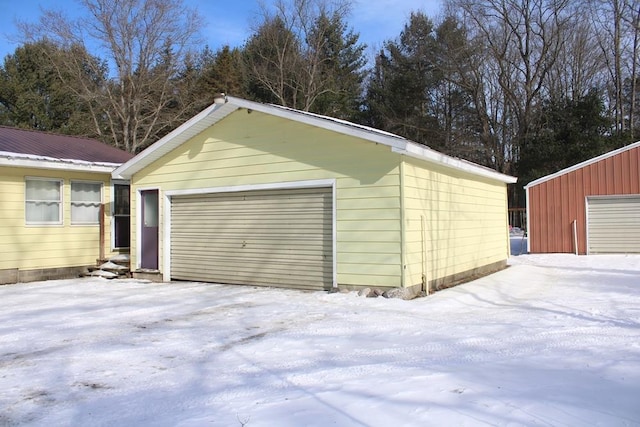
(525, 87)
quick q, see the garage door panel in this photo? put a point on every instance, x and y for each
(613, 224)
(268, 238)
(255, 257)
(301, 270)
(252, 228)
(252, 275)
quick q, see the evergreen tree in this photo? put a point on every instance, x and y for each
(303, 56)
(225, 73)
(568, 131)
(403, 83)
(341, 67)
(273, 57)
(35, 95)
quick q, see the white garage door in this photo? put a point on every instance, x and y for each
(613, 224)
(267, 238)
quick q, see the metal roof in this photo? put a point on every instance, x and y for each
(60, 147)
(217, 112)
(583, 164)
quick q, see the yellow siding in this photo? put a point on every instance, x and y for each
(465, 221)
(256, 148)
(29, 247)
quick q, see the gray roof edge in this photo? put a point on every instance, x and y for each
(582, 164)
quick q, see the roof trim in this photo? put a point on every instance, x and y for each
(583, 164)
(216, 112)
(43, 162)
(425, 153)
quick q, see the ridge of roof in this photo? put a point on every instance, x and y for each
(216, 112)
(342, 121)
(582, 164)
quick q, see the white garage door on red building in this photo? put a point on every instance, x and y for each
(613, 224)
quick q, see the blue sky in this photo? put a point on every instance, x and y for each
(230, 21)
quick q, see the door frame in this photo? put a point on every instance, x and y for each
(166, 219)
(139, 224)
(115, 182)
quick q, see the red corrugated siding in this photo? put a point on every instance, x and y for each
(556, 203)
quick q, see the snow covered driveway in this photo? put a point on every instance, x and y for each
(553, 340)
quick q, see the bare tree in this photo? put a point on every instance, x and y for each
(607, 18)
(580, 65)
(286, 55)
(521, 41)
(632, 22)
(144, 43)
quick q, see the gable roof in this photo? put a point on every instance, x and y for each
(29, 148)
(583, 164)
(216, 112)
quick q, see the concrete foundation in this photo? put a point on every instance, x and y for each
(14, 275)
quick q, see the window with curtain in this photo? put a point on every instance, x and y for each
(43, 201)
(85, 202)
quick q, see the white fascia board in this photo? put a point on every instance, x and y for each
(173, 139)
(583, 164)
(429, 155)
(43, 162)
(217, 112)
(323, 122)
(287, 185)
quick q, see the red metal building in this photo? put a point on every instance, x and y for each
(592, 207)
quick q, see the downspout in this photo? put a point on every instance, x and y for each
(528, 219)
(101, 231)
(425, 282)
(403, 228)
(575, 236)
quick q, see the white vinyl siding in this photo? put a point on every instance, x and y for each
(43, 201)
(613, 224)
(85, 202)
(264, 238)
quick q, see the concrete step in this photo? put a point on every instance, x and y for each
(112, 268)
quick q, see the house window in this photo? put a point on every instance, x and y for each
(121, 215)
(86, 198)
(43, 201)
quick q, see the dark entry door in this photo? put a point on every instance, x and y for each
(149, 229)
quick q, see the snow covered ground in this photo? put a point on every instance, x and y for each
(554, 340)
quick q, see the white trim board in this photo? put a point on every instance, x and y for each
(217, 112)
(168, 195)
(582, 165)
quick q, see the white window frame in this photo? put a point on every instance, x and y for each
(71, 201)
(60, 202)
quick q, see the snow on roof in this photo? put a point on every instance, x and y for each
(45, 162)
(341, 121)
(61, 147)
(217, 112)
